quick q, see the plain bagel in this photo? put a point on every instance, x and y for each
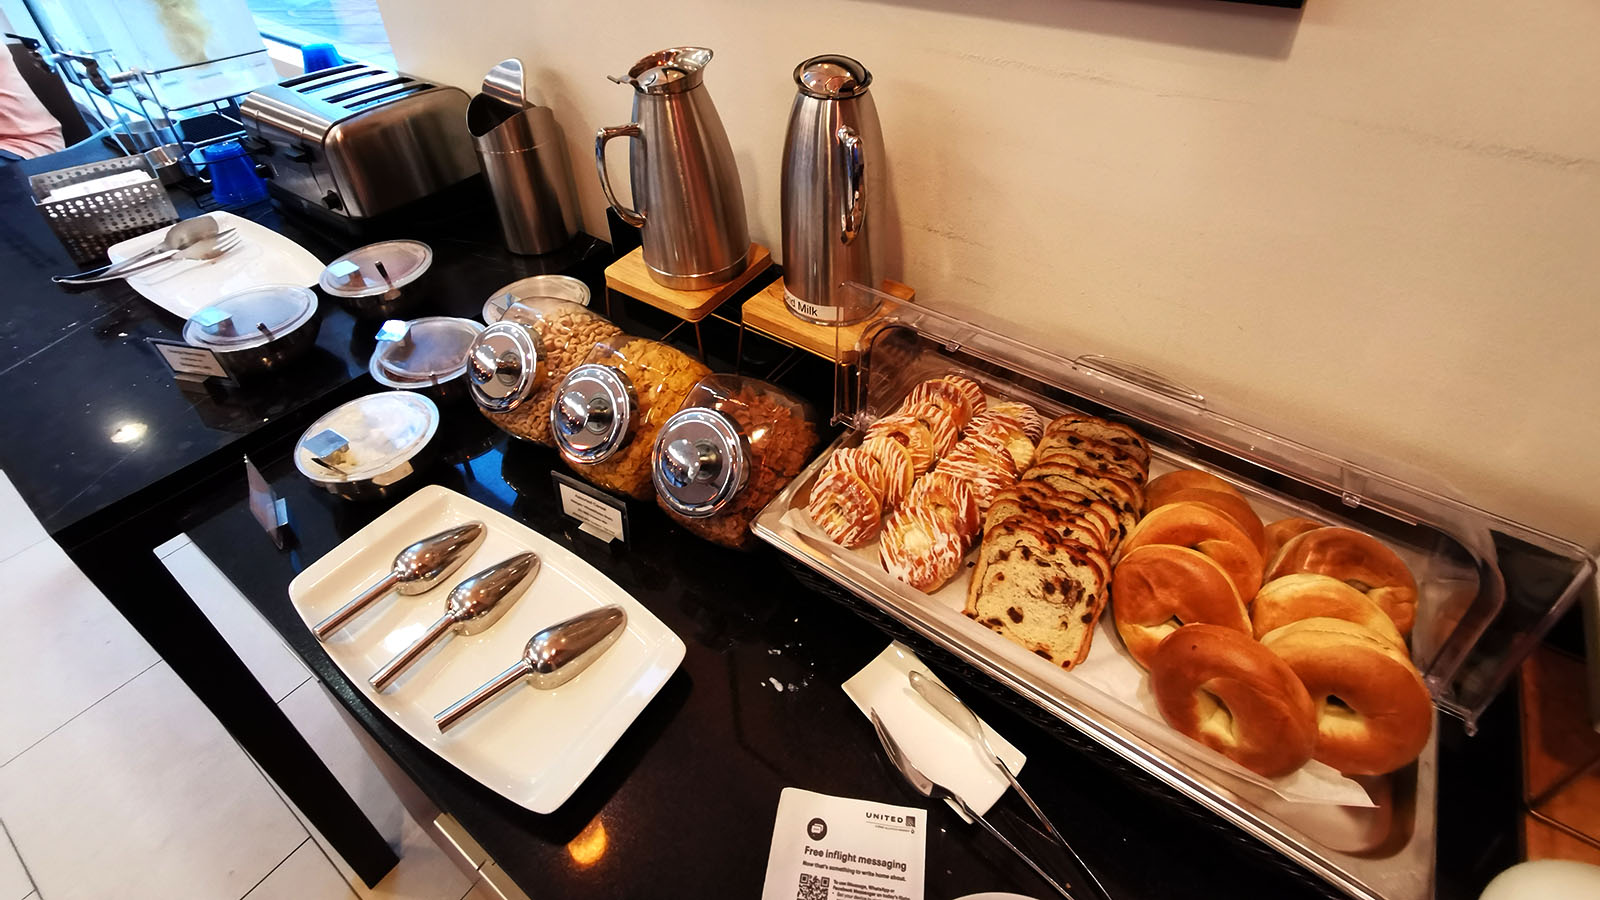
(1206, 529)
(1373, 712)
(1305, 596)
(1161, 488)
(1235, 696)
(1231, 505)
(1278, 533)
(1358, 560)
(1159, 588)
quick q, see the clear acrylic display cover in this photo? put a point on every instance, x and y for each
(1489, 588)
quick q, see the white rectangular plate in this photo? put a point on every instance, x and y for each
(189, 285)
(533, 747)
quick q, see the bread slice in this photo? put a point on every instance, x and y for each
(1123, 494)
(1075, 501)
(1092, 454)
(1047, 604)
(1062, 522)
(1101, 430)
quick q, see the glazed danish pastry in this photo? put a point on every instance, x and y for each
(922, 545)
(845, 508)
(909, 433)
(898, 471)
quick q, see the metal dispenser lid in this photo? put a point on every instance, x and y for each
(423, 351)
(832, 77)
(670, 71)
(376, 268)
(503, 366)
(592, 415)
(700, 462)
(250, 318)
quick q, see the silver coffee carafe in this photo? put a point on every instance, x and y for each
(832, 190)
(688, 202)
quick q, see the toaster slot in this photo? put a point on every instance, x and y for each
(379, 99)
(321, 78)
(342, 97)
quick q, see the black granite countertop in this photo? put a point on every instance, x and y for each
(687, 798)
(93, 418)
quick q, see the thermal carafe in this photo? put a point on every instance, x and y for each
(686, 194)
(832, 188)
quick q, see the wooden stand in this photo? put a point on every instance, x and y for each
(1561, 761)
(766, 314)
(631, 277)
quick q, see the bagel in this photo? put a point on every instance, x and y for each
(1229, 504)
(1373, 712)
(1160, 489)
(1203, 528)
(1305, 596)
(1230, 693)
(1279, 533)
(1358, 560)
(1159, 588)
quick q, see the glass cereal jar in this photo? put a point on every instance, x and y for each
(516, 365)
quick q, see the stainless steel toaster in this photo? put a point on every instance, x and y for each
(357, 141)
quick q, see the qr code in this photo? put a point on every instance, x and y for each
(812, 887)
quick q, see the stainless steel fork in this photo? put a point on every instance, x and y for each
(208, 249)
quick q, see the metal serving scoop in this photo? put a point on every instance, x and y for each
(473, 606)
(552, 658)
(416, 570)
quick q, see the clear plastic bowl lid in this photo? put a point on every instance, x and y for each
(423, 351)
(251, 318)
(362, 272)
(549, 287)
(367, 438)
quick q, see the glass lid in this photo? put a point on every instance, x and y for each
(251, 318)
(377, 268)
(426, 350)
(367, 437)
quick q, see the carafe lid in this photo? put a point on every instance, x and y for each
(669, 71)
(592, 415)
(832, 77)
(700, 462)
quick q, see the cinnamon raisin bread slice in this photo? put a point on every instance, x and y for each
(1047, 604)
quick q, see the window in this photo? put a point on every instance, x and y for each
(353, 26)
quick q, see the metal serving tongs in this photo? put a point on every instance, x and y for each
(927, 787)
(947, 704)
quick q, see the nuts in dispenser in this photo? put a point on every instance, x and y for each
(517, 364)
(606, 413)
(735, 443)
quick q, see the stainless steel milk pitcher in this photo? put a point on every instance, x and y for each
(832, 189)
(686, 193)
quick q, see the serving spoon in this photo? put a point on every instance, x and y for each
(553, 657)
(179, 236)
(472, 607)
(416, 570)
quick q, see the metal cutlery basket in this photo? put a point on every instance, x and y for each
(87, 224)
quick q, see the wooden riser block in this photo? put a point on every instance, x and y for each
(767, 313)
(630, 276)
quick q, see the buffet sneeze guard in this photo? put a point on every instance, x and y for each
(1489, 588)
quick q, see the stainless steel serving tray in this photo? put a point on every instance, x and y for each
(1489, 587)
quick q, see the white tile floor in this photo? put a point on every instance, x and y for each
(115, 781)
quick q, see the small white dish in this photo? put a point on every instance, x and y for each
(185, 286)
(935, 746)
(532, 747)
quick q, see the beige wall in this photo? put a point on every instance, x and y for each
(1372, 225)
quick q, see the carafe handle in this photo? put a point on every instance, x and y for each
(855, 183)
(632, 217)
